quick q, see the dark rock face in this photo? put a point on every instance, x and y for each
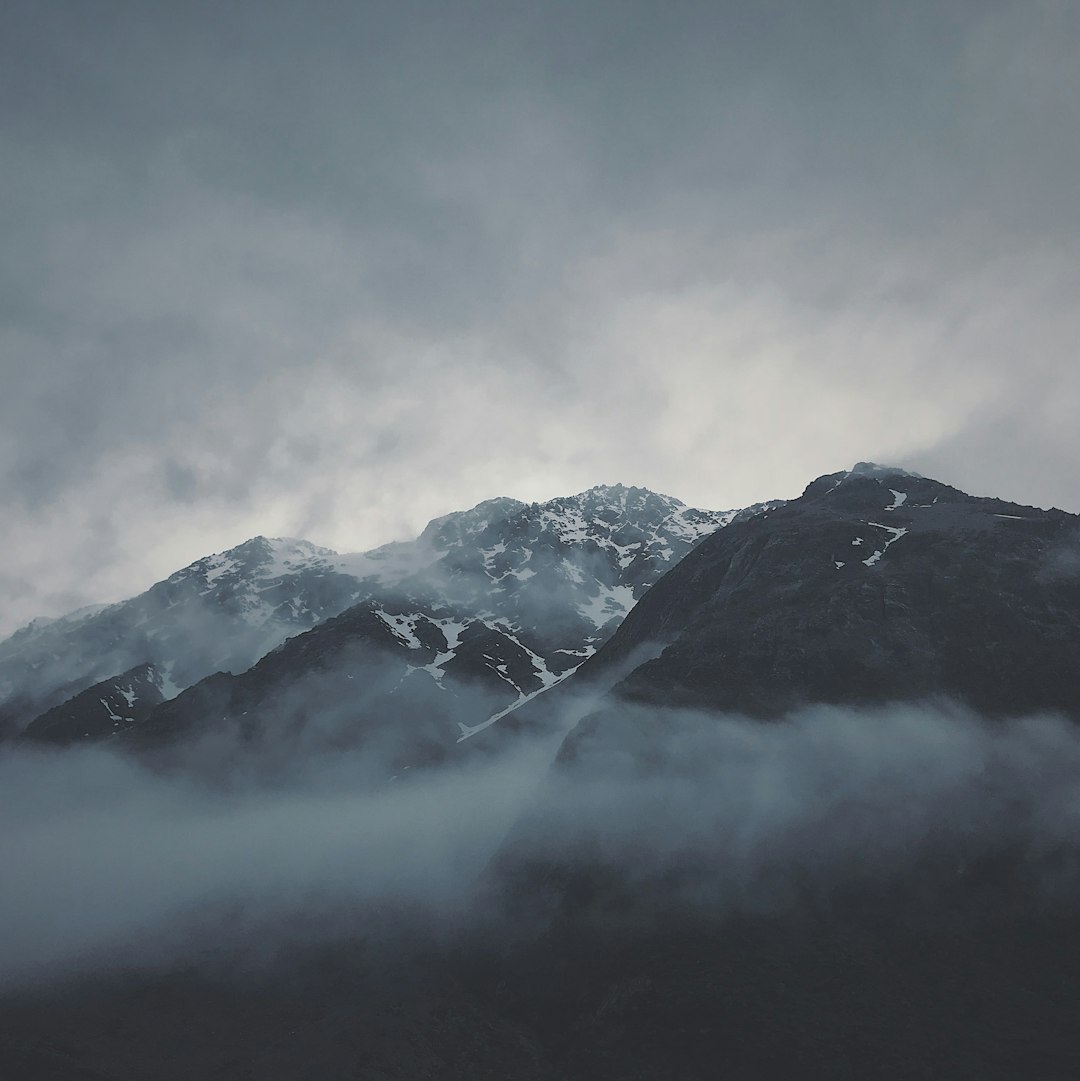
(874, 586)
(100, 712)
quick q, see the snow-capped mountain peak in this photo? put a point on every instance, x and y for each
(460, 527)
(536, 586)
(262, 558)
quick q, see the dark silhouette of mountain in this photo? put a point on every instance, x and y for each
(694, 953)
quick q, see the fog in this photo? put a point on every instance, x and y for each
(107, 865)
(759, 816)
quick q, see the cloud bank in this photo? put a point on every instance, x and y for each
(108, 866)
(332, 273)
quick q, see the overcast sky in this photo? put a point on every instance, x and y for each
(330, 269)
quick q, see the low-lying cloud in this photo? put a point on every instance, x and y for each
(106, 864)
(750, 816)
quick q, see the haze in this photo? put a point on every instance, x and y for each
(330, 270)
(108, 866)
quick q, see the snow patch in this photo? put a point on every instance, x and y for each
(489, 555)
(691, 525)
(216, 567)
(470, 730)
(610, 602)
(109, 710)
(897, 533)
(163, 677)
(452, 630)
(401, 627)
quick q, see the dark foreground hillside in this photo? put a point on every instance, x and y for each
(853, 993)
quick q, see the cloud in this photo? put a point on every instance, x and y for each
(339, 273)
(110, 866)
(720, 816)
(107, 865)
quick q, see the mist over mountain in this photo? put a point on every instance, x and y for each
(575, 782)
(600, 788)
(876, 591)
(486, 608)
(222, 612)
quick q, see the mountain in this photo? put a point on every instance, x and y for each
(875, 589)
(518, 597)
(506, 597)
(875, 586)
(816, 822)
(819, 819)
(101, 711)
(222, 612)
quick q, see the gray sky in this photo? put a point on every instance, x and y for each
(330, 269)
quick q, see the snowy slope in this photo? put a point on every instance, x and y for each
(221, 612)
(549, 581)
(484, 610)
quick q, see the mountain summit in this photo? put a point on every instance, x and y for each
(223, 611)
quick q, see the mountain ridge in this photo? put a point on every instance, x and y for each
(511, 607)
(224, 611)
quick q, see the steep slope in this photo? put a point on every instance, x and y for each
(876, 585)
(875, 588)
(102, 710)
